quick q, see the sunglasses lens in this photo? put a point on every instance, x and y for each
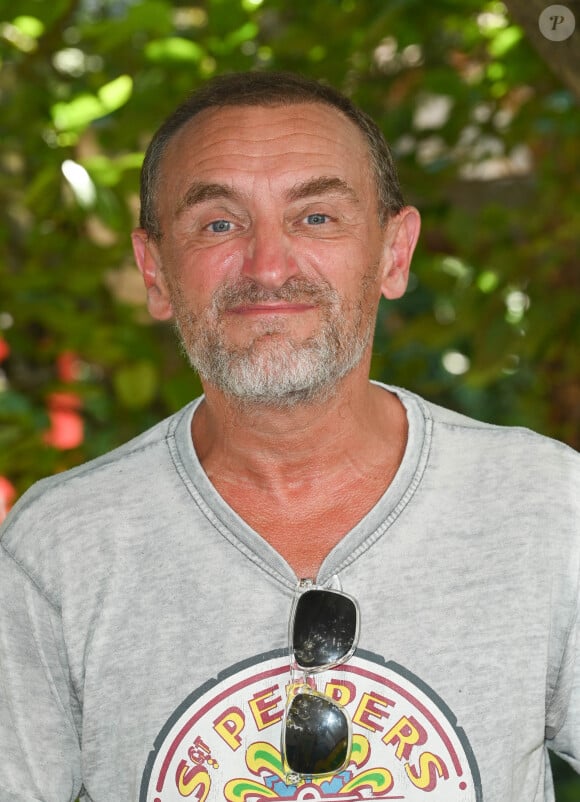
(325, 628)
(317, 736)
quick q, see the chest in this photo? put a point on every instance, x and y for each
(305, 528)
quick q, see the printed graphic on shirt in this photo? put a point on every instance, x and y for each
(223, 742)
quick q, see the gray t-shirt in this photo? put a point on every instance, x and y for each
(144, 627)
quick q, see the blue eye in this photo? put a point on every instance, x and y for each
(220, 226)
(317, 219)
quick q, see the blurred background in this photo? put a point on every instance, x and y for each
(481, 110)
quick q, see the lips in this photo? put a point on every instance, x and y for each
(270, 309)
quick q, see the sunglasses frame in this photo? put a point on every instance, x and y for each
(304, 687)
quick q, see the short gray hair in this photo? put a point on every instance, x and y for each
(267, 89)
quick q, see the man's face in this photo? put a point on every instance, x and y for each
(271, 259)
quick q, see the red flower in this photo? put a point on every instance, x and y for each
(66, 425)
(7, 494)
(68, 366)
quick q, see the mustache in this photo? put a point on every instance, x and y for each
(295, 290)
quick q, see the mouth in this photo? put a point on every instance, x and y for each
(270, 309)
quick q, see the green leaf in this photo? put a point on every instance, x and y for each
(116, 93)
(174, 48)
(136, 384)
(76, 114)
(30, 26)
(83, 109)
(108, 172)
(504, 40)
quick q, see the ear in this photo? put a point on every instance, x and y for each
(402, 233)
(149, 263)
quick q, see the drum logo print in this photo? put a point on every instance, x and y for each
(223, 741)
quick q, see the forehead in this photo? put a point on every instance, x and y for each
(278, 144)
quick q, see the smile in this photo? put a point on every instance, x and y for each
(270, 309)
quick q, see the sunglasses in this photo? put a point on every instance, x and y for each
(316, 731)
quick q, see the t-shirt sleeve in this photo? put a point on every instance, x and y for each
(39, 711)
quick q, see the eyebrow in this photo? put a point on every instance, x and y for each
(323, 185)
(201, 191)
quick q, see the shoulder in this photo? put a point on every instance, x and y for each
(513, 441)
(498, 465)
(77, 496)
(515, 445)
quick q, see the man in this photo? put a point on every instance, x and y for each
(146, 595)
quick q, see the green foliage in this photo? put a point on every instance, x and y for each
(485, 138)
(486, 143)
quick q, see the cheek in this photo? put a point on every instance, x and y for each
(343, 265)
(200, 271)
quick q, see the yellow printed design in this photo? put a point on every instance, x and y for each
(223, 742)
(264, 760)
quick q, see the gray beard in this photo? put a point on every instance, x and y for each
(273, 369)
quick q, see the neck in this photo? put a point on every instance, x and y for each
(284, 450)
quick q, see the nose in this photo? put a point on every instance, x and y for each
(269, 260)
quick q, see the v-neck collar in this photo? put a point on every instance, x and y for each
(354, 543)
